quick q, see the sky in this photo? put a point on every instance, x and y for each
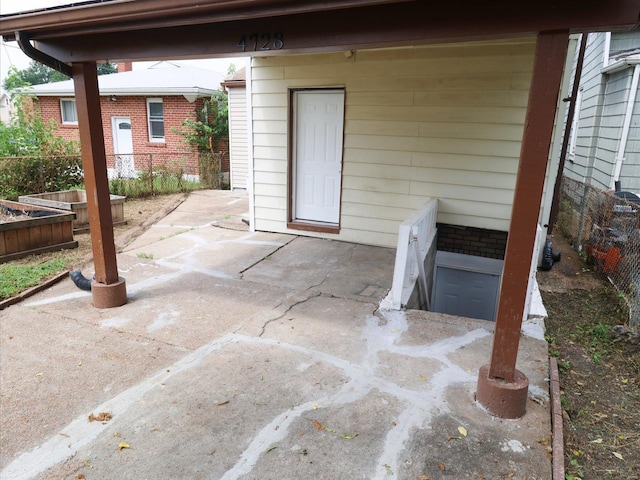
(11, 55)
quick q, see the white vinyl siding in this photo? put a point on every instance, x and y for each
(440, 121)
(155, 119)
(238, 157)
(68, 111)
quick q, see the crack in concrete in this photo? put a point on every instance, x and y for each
(289, 308)
(241, 272)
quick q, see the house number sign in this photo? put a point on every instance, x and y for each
(261, 42)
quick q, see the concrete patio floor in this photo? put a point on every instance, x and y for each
(247, 355)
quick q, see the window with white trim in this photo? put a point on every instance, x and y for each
(69, 113)
(573, 139)
(155, 119)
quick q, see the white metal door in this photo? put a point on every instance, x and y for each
(318, 126)
(123, 146)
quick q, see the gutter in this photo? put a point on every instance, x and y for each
(631, 101)
(555, 202)
(24, 41)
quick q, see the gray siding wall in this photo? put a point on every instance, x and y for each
(615, 104)
(621, 41)
(601, 118)
(577, 166)
(630, 173)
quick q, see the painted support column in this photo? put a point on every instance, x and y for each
(501, 388)
(108, 289)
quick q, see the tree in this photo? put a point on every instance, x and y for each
(210, 126)
(45, 162)
(204, 134)
(37, 74)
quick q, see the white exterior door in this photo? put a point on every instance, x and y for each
(317, 161)
(123, 146)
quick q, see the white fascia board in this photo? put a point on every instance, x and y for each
(189, 94)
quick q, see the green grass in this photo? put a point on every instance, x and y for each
(14, 278)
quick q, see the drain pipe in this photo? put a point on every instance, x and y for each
(24, 41)
(625, 126)
(555, 203)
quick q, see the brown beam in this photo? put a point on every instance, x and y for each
(94, 163)
(408, 23)
(550, 56)
(501, 388)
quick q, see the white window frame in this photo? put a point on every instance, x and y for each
(156, 139)
(66, 121)
(573, 138)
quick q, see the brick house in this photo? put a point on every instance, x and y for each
(141, 110)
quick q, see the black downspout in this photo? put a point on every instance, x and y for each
(555, 204)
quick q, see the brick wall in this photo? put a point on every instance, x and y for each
(175, 110)
(472, 241)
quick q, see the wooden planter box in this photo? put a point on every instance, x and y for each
(21, 238)
(76, 201)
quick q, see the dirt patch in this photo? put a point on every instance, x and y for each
(139, 213)
(599, 370)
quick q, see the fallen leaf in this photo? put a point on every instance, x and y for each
(79, 364)
(388, 469)
(442, 466)
(463, 431)
(80, 477)
(315, 406)
(39, 374)
(544, 441)
(123, 445)
(101, 417)
(271, 448)
(349, 437)
(423, 477)
(618, 455)
(318, 425)
(222, 403)
(597, 440)
(423, 378)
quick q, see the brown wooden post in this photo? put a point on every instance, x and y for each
(501, 388)
(108, 289)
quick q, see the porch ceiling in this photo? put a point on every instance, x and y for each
(151, 29)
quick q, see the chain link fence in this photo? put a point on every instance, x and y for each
(135, 175)
(605, 228)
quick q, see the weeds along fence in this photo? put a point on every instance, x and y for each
(605, 228)
(135, 175)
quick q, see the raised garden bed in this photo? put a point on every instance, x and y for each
(29, 229)
(76, 201)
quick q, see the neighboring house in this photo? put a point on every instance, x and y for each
(604, 143)
(141, 109)
(236, 88)
(6, 108)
